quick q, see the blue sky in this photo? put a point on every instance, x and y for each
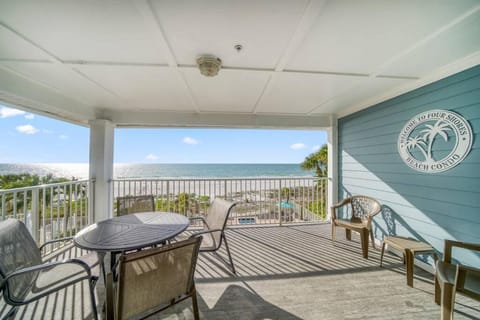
(30, 138)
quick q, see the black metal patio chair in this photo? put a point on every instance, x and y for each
(25, 278)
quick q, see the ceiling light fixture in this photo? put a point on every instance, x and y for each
(209, 65)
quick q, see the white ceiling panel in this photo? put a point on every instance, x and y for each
(229, 91)
(13, 47)
(264, 28)
(367, 89)
(142, 88)
(65, 81)
(359, 36)
(299, 93)
(455, 43)
(109, 31)
(135, 60)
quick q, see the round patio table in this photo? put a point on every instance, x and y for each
(130, 232)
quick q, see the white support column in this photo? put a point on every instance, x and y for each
(332, 189)
(101, 169)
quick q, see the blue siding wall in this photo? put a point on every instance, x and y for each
(429, 207)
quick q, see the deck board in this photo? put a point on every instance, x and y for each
(289, 272)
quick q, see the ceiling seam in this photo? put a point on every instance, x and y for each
(189, 90)
(38, 82)
(31, 42)
(303, 27)
(149, 13)
(56, 60)
(83, 75)
(309, 16)
(145, 7)
(262, 94)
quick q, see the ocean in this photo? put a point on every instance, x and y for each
(155, 170)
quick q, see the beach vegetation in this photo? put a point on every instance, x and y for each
(317, 161)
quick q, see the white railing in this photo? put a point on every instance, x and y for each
(61, 209)
(49, 211)
(273, 200)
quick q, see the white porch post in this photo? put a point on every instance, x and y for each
(332, 189)
(101, 168)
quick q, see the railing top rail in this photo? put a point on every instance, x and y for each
(41, 186)
(220, 178)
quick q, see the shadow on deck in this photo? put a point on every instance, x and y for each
(289, 272)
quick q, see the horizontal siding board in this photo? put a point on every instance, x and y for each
(468, 184)
(390, 154)
(380, 147)
(389, 131)
(423, 97)
(467, 198)
(412, 215)
(460, 104)
(428, 206)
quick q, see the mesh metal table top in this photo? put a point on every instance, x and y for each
(131, 231)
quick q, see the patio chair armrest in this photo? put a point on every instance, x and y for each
(49, 265)
(201, 218)
(54, 241)
(196, 234)
(197, 218)
(55, 286)
(341, 203)
(333, 212)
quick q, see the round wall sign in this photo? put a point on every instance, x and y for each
(435, 141)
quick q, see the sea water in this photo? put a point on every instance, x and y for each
(156, 170)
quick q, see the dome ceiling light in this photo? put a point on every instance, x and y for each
(209, 65)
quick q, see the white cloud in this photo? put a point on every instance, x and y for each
(189, 140)
(316, 148)
(151, 157)
(9, 112)
(29, 116)
(298, 146)
(63, 137)
(27, 129)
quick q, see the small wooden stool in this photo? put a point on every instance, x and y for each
(410, 247)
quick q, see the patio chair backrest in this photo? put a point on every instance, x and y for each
(217, 216)
(17, 250)
(154, 277)
(133, 204)
(363, 207)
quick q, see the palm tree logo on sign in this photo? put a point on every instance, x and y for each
(435, 141)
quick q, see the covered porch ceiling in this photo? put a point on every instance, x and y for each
(302, 64)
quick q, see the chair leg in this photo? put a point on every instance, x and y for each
(381, 255)
(228, 252)
(348, 234)
(195, 304)
(372, 238)
(333, 231)
(364, 241)
(435, 281)
(438, 292)
(447, 300)
(92, 298)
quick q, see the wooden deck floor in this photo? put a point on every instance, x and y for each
(289, 272)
